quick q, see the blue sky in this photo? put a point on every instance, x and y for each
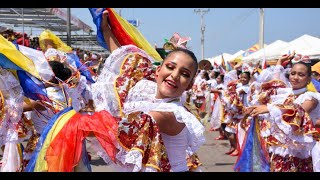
(228, 30)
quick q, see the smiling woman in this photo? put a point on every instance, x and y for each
(140, 121)
(152, 119)
(292, 113)
(147, 102)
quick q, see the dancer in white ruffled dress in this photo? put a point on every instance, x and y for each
(156, 132)
(292, 112)
(11, 107)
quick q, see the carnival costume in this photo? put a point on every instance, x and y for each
(218, 112)
(136, 99)
(130, 138)
(291, 135)
(11, 95)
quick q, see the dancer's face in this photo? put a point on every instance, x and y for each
(244, 79)
(299, 77)
(175, 75)
(219, 79)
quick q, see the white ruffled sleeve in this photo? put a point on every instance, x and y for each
(315, 113)
(274, 73)
(195, 128)
(316, 157)
(281, 96)
(139, 99)
(13, 103)
(298, 145)
(104, 93)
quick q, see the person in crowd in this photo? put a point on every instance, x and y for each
(153, 101)
(236, 99)
(217, 117)
(316, 71)
(11, 107)
(292, 112)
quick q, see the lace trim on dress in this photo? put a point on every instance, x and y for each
(298, 145)
(13, 103)
(104, 94)
(139, 100)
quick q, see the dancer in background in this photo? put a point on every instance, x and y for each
(292, 113)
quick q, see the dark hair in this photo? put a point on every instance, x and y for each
(247, 73)
(309, 71)
(206, 75)
(239, 72)
(222, 77)
(162, 52)
(216, 74)
(60, 71)
(186, 51)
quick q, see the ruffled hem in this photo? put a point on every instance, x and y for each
(105, 95)
(13, 103)
(293, 151)
(296, 145)
(276, 118)
(314, 114)
(126, 161)
(139, 100)
(316, 157)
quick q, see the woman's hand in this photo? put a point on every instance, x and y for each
(238, 66)
(108, 35)
(286, 58)
(256, 110)
(105, 15)
(242, 92)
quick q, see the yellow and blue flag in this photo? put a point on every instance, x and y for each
(125, 32)
(24, 68)
(314, 85)
(46, 135)
(254, 156)
(12, 58)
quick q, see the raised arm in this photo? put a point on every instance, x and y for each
(286, 58)
(167, 122)
(107, 33)
(309, 105)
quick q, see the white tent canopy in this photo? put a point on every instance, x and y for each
(272, 51)
(305, 45)
(235, 55)
(218, 59)
(313, 53)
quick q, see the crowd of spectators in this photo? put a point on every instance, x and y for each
(91, 59)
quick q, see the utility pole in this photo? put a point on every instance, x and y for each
(202, 12)
(22, 11)
(68, 27)
(261, 27)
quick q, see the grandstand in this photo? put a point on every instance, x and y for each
(34, 20)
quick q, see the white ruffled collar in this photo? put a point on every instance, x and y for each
(165, 100)
(299, 91)
(142, 98)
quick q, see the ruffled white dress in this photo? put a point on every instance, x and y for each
(13, 107)
(141, 97)
(301, 145)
